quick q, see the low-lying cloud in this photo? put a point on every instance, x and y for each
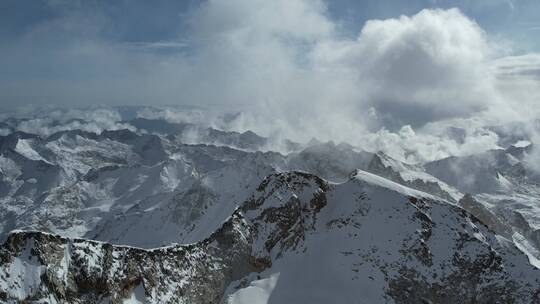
(45, 122)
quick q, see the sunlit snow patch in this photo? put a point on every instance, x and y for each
(258, 292)
(24, 148)
(526, 247)
(522, 144)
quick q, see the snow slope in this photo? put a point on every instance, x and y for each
(297, 239)
(346, 226)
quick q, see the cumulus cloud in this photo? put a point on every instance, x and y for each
(423, 68)
(403, 74)
(306, 79)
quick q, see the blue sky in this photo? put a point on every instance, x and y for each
(150, 21)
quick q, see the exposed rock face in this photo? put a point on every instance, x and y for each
(487, 217)
(48, 269)
(367, 238)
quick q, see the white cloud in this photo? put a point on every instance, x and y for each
(287, 65)
(45, 123)
(298, 19)
(434, 141)
(430, 66)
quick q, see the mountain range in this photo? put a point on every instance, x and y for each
(165, 212)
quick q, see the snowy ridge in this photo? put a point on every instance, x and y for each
(98, 218)
(305, 238)
(373, 179)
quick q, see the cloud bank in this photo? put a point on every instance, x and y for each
(402, 84)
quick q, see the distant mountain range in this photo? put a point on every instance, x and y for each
(164, 212)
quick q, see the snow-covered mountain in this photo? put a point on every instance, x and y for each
(297, 239)
(163, 212)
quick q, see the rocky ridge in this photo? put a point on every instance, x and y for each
(389, 242)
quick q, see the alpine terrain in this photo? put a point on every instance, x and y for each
(153, 211)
